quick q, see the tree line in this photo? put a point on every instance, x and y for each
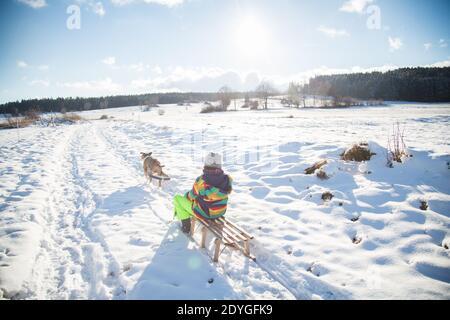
(406, 84)
(81, 104)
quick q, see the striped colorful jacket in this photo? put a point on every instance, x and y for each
(209, 194)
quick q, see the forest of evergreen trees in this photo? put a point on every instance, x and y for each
(80, 104)
(406, 84)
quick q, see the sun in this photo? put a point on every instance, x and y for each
(251, 36)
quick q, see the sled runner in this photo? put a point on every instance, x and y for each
(160, 179)
(226, 233)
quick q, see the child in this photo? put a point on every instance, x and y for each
(209, 196)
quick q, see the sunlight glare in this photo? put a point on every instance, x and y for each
(252, 37)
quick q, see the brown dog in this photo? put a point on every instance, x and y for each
(152, 167)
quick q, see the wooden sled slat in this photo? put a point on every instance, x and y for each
(224, 230)
(236, 235)
(242, 231)
(226, 233)
(227, 240)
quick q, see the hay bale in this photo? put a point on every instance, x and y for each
(358, 153)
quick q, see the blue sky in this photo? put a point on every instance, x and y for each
(137, 46)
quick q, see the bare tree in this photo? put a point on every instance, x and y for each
(225, 96)
(294, 94)
(264, 91)
(247, 100)
(104, 104)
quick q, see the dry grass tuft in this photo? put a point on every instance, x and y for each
(396, 146)
(14, 123)
(71, 117)
(359, 153)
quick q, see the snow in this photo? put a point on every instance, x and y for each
(79, 221)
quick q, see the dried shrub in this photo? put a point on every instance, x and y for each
(396, 146)
(33, 114)
(16, 122)
(254, 105)
(423, 205)
(71, 117)
(327, 196)
(315, 167)
(322, 175)
(211, 109)
(358, 153)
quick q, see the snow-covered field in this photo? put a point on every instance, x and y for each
(78, 221)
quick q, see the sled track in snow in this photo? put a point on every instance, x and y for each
(133, 170)
(90, 202)
(68, 264)
(309, 286)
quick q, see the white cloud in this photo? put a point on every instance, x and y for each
(110, 61)
(333, 33)
(439, 64)
(195, 79)
(35, 4)
(211, 79)
(44, 83)
(105, 86)
(43, 67)
(395, 43)
(168, 3)
(427, 46)
(98, 8)
(157, 70)
(443, 43)
(138, 67)
(355, 6)
(22, 64)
